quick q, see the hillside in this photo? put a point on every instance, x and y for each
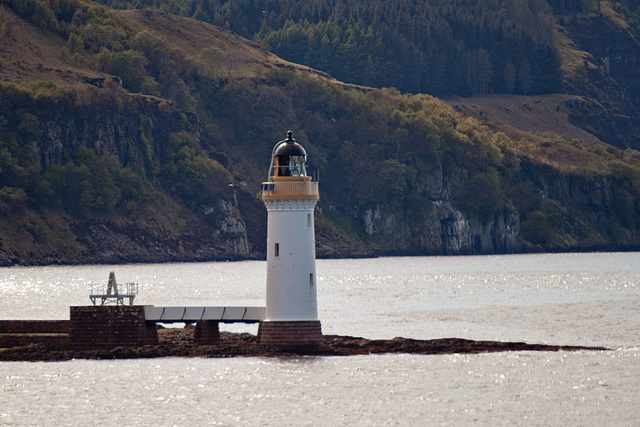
(436, 47)
(138, 136)
(586, 49)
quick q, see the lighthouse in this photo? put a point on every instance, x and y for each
(290, 196)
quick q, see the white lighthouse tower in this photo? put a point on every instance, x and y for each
(291, 314)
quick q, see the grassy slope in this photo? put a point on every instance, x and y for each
(29, 54)
(220, 49)
(540, 113)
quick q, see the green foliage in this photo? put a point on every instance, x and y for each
(129, 66)
(97, 36)
(626, 194)
(439, 48)
(28, 126)
(482, 196)
(149, 86)
(92, 186)
(543, 226)
(180, 94)
(135, 191)
(75, 44)
(40, 13)
(537, 228)
(12, 200)
(11, 173)
(83, 184)
(525, 82)
(394, 179)
(196, 179)
(146, 137)
(160, 61)
(87, 184)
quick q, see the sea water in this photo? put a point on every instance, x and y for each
(567, 299)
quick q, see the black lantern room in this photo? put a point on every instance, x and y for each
(288, 159)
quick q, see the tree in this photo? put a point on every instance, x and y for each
(509, 77)
(29, 126)
(480, 71)
(524, 77)
(75, 44)
(129, 66)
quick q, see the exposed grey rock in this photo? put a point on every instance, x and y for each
(232, 226)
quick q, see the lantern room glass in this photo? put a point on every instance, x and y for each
(290, 166)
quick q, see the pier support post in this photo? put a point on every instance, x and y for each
(206, 333)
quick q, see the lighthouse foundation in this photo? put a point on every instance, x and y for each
(291, 335)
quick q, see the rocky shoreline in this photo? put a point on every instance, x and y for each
(179, 343)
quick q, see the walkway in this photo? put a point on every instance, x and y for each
(194, 314)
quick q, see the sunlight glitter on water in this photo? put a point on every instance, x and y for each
(583, 299)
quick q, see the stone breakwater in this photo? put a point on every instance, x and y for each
(177, 342)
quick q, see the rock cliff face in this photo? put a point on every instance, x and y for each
(595, 193)
(586, 217)
(231, 227)
(132, 129)
(592, 210)
(443, 229)
(134, 136)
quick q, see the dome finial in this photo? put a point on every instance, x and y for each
(290, 137)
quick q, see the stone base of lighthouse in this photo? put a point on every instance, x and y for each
(292, 335)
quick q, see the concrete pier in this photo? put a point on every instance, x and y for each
(110, 326)
(15, 333)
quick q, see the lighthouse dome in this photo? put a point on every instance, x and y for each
(289, 147)
(289, 158)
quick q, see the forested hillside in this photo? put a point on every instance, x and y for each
(455, 47)
(442, 47)
(142, 136)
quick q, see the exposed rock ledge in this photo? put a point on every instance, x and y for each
(179, 343)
